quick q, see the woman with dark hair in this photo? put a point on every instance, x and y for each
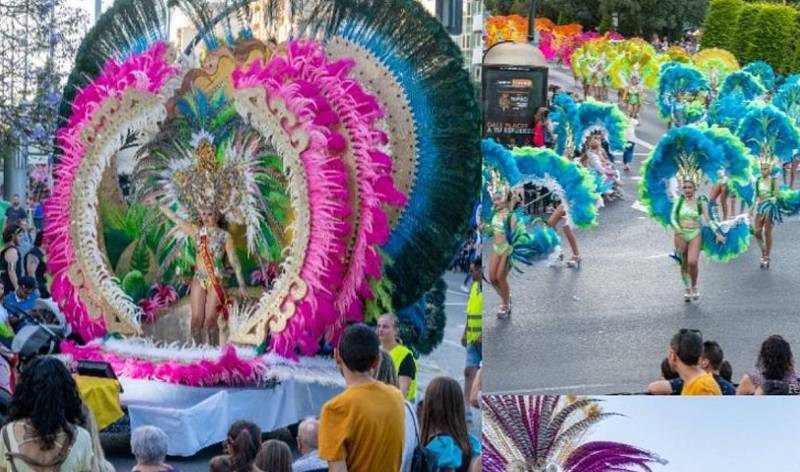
(244, 440)
(45, 432)
(10, 262)
(35, 266)
(274, 456)
(444, 427)
(213, 243)
(542, 129)
(775, 362)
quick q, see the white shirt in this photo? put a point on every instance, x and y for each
(310, 461)
(410, 440)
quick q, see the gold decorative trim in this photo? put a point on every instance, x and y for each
(275, 122)
(398, 118)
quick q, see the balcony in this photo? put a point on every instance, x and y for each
(477, 22)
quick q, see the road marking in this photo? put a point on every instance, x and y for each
(455, 304)
(637, 205)
(659, 256)
(452, 343)
(568, 388)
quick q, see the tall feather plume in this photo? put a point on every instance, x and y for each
(129, 26)
(539, 432)
(417, 50)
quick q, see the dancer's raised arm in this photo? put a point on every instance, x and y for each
(184, 225)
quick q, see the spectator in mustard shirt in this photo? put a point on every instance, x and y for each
(362, 429)
(685, 350)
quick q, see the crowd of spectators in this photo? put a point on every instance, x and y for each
(697, 367)
(378, 422)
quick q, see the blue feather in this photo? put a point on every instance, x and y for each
(565, 121)
(416, 315)
(541, 164)
(767, 129)
(662, 165)
(787, 100)
(763, 72)
(789, 201)
(604, 116)
(676, 79)
(743, 83)
(529, 245)
(737, 241)
(727, 111)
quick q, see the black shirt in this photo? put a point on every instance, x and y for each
(407, 367)
(13, 215)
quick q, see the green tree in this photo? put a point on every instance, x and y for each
(719, 29)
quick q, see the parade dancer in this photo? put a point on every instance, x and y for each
(517, 242)
(678, 85)
(633, 97)
(769, 134)
(767, 211)
(686, 154)
(687, 212)
(501, 249)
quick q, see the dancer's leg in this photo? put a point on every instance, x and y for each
(768, 226)
(680, 248)
(573, 242)
(793, 172)
(212, 315)
(494, 263)
(759, 233)
(197, 301)
(692, 260)
(724, 202)
(502, 279)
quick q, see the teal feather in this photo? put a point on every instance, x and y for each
(564, 117)
(743, 83)
(727, 111)
(767, 129)
(546, 167)
(763, 72)
(677, 79)
(604, 116)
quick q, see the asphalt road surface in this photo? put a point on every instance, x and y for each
(605, 328)
(447, 359)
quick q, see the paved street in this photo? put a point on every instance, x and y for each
(605, 328)
(447, 359)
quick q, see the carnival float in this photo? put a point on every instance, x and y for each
(221, 212)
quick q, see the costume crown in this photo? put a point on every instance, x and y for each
(688, 170)
(766, 159)
(497, 185)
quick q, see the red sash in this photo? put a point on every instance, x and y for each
(212, 276)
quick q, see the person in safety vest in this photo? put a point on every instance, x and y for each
(471, 339)
(403, 357)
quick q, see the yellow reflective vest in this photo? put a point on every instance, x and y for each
(474, 312)
(398, 353)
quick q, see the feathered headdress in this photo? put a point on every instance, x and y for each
(744, 83)
(769, 134)
(605, 118)
(676, 79)
(763, 72)
(545, 434)
(688, 169)
(565, 119)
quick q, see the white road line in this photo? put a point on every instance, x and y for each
(637, 205)
(455, 304)
(658, 256)
(567, 388)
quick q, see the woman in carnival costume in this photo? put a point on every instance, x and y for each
(633, 97)
(678, 85)
(769, 134)
(597, 123)
(788, 101)
(515, 240)
(207, 190)
(512, 243)
(687, 154)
